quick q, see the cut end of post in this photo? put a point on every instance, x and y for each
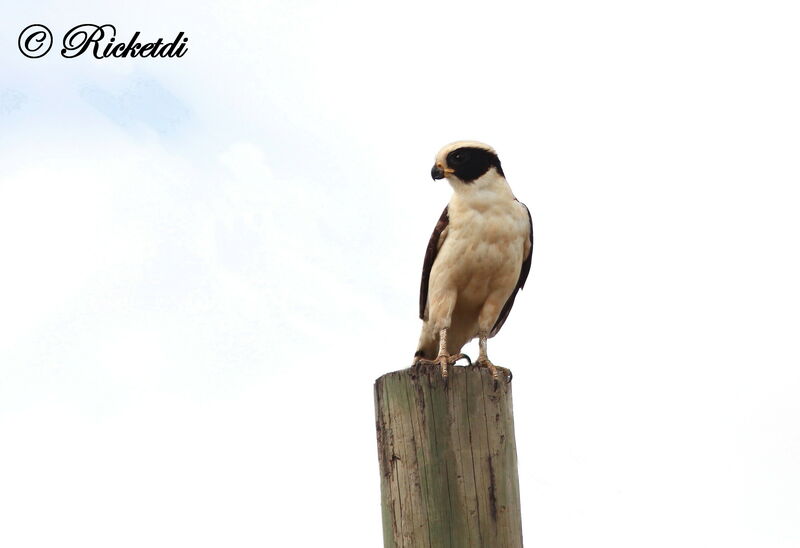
(432, 372)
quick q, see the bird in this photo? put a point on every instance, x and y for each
(477, 259)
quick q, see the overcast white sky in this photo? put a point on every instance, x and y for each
(207, 261)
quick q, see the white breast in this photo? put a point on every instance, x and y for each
(485, 243)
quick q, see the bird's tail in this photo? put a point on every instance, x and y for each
(428, 346)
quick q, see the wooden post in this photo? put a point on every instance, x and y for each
(448, 460)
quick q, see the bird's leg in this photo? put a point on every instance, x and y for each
(444, 360)
(483, 358)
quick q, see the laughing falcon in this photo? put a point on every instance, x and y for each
(478, 257)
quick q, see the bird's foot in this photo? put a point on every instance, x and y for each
(495, 370)
(444, 362)
(487, 363)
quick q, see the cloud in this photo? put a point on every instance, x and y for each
(145, 102)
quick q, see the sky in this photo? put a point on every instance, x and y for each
(208, 260)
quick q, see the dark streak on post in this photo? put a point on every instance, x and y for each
(492, 491)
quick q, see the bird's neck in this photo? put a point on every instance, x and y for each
(482, 193)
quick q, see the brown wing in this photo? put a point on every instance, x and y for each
(430, 255)
(523, 275)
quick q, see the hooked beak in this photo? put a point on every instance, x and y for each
(438, 172)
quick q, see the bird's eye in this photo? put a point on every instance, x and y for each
(457, 157)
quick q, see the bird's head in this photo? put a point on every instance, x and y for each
(465, 162)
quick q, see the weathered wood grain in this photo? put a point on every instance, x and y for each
(448, 460)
